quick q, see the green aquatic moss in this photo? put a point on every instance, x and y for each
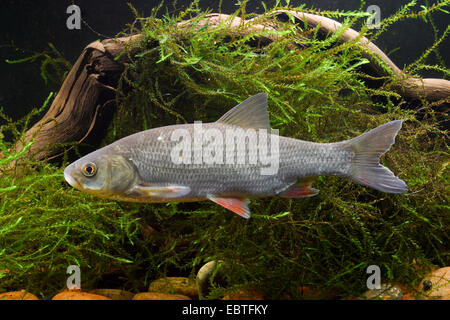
(316, 92)
(45, 226)
(54, 66)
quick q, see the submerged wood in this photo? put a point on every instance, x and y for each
(91, 84)
(88, 87)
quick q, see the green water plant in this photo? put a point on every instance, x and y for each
(316, 92)
(198, 72)
(45, 226)
(54, 67)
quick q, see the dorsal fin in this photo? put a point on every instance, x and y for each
(250, 113)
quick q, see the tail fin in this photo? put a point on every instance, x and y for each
(367, 149)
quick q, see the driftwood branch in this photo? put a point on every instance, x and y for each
(93, 80)
(411, 88)
(90, 84)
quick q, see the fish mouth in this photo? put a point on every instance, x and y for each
(71, 180)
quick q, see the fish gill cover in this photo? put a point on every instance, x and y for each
(316, 92)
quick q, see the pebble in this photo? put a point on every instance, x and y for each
(311, 293)
(175, 285)
(386, 292)
(159, 296)
(408, 293)
(114, 294)
(436, 285)
(247, 294)
(75, 294)
(18, 295)
(206, 272)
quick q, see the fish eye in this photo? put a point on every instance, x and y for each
(89, 169)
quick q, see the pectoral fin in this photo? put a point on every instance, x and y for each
(300, 189)
(237, 205)
(162, 192)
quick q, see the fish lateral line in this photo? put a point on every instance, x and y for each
(124, 166)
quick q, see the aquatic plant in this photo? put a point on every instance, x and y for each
(54, 66)
(45, 226)
(316, 92)
(192, 73)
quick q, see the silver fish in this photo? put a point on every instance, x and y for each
(142, 167)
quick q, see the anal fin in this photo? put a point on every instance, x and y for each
(300, 189)
(237, 205)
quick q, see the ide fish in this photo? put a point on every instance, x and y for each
(194, 162)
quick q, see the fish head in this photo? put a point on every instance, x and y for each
(102, 174)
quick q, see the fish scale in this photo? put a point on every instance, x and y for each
(144, 167)
(298, 159)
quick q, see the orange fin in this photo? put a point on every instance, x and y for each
(237, 205)
(300, 190)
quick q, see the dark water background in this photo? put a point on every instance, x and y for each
(27, 26)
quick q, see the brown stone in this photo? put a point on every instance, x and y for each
(18, 295)
(175, 285)
(436, 286)
(159, 296)
(247, 294)
(386, 292)
(409, 293)
(114, 294)
(75, 294)
(313, 293)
